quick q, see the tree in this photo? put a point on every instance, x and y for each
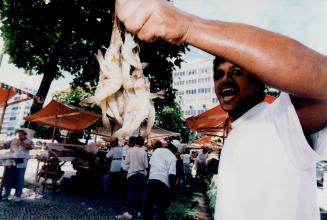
(170, 119)
(49, 37)
(55, 37)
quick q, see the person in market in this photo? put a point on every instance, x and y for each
(137, 161)
(201, 162)
(14, 176)
(162, 179)
(186, 162)
(124, 170)
(115, 154)
(271, 140)
(179, 172)
(213, 161)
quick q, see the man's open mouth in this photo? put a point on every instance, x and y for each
(228, 92)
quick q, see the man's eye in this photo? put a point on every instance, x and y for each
(218, 74)
(237, 72)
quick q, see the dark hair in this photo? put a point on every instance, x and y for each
(131, 140)
(260, 89)
(217, 61)
(24, 132)
(156, 145)
(172, 148)
(139, 140)
(187, 151)
(115, 142)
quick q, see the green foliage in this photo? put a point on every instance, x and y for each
(170, 118)
(272, 91)
(212, 191)
(43, 132)
(74, 95)
(50, 37)
(182, 208)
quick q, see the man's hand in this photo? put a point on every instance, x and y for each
(154, 19)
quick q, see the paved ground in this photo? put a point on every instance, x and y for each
(65, 206)
(62, 206)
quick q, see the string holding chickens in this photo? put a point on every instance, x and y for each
(123, 92)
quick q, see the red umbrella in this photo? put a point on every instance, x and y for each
(212, 121)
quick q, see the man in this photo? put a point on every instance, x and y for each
(137, 161)
(115, 154)
(186, 162)
(124, 170)
(161, 179)
(14, 176)
(201, 162)
(270, 137)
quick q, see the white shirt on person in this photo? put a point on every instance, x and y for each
(186, 158)
(162, 163)
(267, 168)
(19, 151)
(137, 161)
(115, 154)
(124, 165)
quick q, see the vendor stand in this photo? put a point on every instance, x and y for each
(214, 121)
(59, 116)
(6, 93)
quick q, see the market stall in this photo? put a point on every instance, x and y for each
(156, 132)
(212, 122)
(7, 93)
(60, 116)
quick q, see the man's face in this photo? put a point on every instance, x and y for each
(233, 86)
(21, 135)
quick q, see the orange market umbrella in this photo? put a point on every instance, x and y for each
(204, 140)
(6, 93)
(212, 121)
(63, 116)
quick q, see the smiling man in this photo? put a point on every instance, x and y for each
(267, 166)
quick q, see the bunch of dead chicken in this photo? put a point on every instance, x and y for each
(123, 92)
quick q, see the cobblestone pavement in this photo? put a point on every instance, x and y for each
(63, 206)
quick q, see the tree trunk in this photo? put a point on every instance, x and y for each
(47, 79)
(51, 70)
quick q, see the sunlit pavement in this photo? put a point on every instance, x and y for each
(62, 206)
(38, 206)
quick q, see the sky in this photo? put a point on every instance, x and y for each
(303, 20)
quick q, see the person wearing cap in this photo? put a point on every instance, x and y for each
(14, 176)
(162, 179)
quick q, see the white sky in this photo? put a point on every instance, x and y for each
(303, 20)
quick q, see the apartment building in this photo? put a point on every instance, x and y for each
(14, 115)
(194, 85)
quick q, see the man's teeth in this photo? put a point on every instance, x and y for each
(228, 90)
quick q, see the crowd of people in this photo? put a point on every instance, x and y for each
(147, 175)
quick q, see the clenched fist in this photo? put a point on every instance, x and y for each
(154, 19)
